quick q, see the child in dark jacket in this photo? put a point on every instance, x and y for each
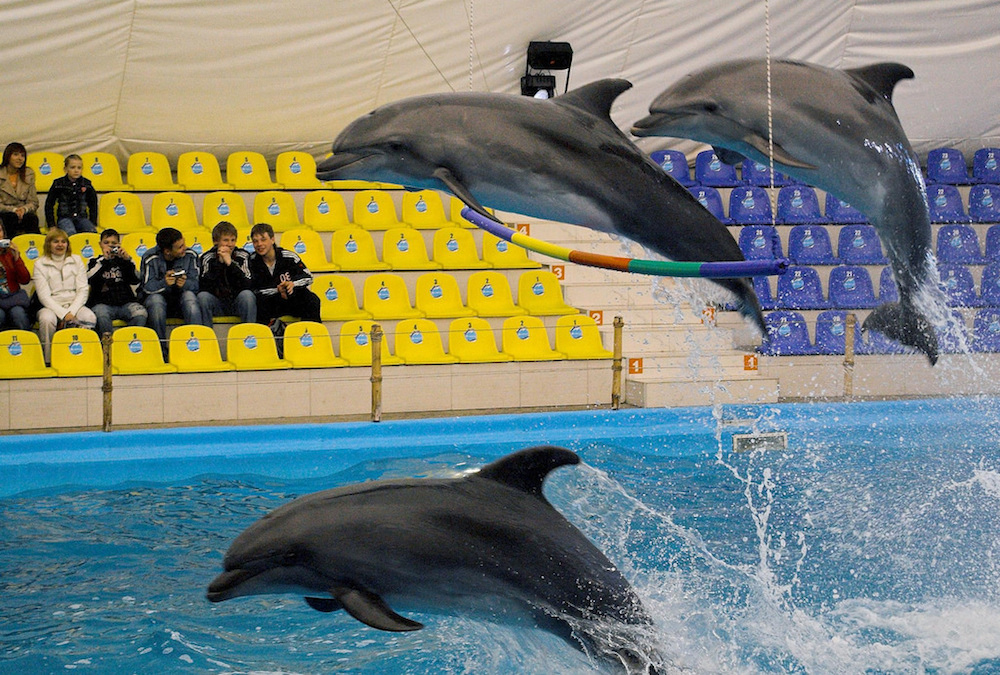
(111, 276)
(71, 204)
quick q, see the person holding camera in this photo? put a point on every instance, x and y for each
(111, 276)
(13, 274)
(168, 282)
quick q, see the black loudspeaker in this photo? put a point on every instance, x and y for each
(549, 55)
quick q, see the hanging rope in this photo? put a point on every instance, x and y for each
(770, 111)
(472, 8)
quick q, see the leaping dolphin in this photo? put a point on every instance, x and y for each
(837, 130)
(561, 159)
(487, 543)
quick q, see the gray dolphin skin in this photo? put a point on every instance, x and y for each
(561, 159)
(837, 130)
(487, 544)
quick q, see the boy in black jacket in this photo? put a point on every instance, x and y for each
(71, 204)
(111, 276)
(225, 278)
(280, 279)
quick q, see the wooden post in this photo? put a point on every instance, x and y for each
(376, 373)
(616, 365)
(106, 386)
(849, 331)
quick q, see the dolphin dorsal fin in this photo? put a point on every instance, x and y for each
(882, 77)
(596, 97)
(526, 469)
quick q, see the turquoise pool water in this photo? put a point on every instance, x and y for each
(869, 545)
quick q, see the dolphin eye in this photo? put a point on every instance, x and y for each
(710, 107)
(290, 558)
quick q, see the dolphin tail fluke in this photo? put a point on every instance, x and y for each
(747, 302)
(905, 325)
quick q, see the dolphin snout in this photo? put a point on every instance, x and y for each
(224, 586)
(648, 125)
(328, 167)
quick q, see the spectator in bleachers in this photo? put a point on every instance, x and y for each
(18, 199)
(168, 282)
(225, 278)
(13, 274)
(61, 287)
(111, 276)
(280, 279)
(71, 204)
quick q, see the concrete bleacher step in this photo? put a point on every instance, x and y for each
(653, 339)
(653, 390)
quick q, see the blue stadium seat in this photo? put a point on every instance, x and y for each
(986, 330)
(760, 242)
(986, 165)
(749, 205)
(799, 204)
(839, 211)
(992, 244)
(831, 332)
(954, 338)
(810, 245)
(800, 288)
(859, 245)
(945, 203)
(958, 244)
(947, 165)
(675, 163)
(712, 171)
(874, 342)
(755, 173)
(787, 335)
(762, 288)
(709, 198)
(850, 287)
(887, 289)
(984, 203)
(989, 285)
(958, 285)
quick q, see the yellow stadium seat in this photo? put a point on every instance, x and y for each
(353, 250)
(173, 209)
(21, 356)
(423, 210)
(308, 345)
(76, 352)
(355, 344)
(472, 340)
(247, 170)
(325, 211)
(488, 293)
(502, 254)
(195, 349)
(198, 239)
(374, 210)
(438, 296)
(455, 249)
(277, 209)
(309, 247)
(122, 211)
(525, 338)
(137, 243)
(200, 172)
(540, 294)
(386, 297)
(296, 171)
(136, 350)
(104, 171)
(251, 346)
(150, 172)
(30, 246)
(338, 300)
(224, 206)
(578, 337)
(87, 245)
(455, 213)
(47, 167)
(243, 239)
(418, 341)
(403, 248)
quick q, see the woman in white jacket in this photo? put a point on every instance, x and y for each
(61, 286)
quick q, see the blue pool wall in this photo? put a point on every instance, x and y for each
(294, 451)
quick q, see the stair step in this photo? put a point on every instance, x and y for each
(650, 393)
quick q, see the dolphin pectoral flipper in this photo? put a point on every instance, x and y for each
(779, 153)
(462, 192)
(324, 604)
(371, 610)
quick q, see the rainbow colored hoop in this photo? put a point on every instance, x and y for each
(706, 270)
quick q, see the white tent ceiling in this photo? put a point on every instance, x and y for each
(178, 75)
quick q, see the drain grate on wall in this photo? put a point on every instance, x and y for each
(772, 440)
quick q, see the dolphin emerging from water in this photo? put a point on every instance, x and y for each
(561, 159)
(837, 130)
(487, 543)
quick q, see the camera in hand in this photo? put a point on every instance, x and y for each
(4, 243)
(178, 273)
(116, 250)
